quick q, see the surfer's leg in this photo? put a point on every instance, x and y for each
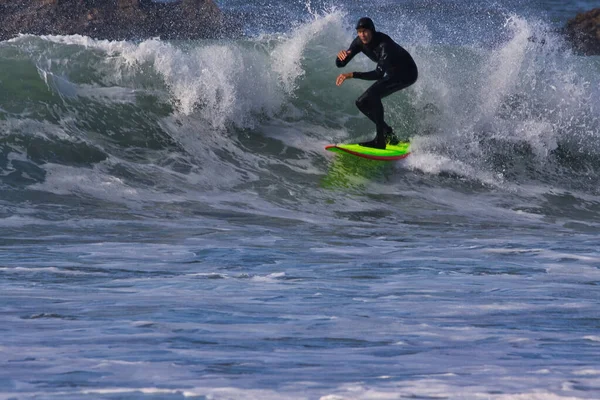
(369, 103)
(363, 104)
(392, 85)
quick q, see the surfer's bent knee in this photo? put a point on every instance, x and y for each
(363, 101)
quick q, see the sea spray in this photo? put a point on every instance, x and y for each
(495, 111)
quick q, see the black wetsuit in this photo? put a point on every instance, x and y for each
(395, 70)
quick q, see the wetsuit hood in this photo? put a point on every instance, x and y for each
(366, 23)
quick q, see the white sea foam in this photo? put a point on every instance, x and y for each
(348, 392)
(519, 93)
(587, 372)
(224, 393)
(271, 278)
(504, 66)
(289, 54)
(54, 270)
(226, 81)
(62, 179)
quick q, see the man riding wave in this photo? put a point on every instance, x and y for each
(395, 71)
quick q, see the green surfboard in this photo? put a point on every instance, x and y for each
(390, 153)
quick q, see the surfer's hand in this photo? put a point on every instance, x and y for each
(342, 77)
(343, 54)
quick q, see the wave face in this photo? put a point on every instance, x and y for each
(158, 121)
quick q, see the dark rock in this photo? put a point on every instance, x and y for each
(584, 32)
(114, 19)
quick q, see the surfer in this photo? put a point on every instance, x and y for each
(395, 71)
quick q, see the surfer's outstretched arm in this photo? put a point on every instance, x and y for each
(342, 77)
(345, 56)
(378, 72)
(367, 76)
(374, 75)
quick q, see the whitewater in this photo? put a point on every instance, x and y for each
(172, 227)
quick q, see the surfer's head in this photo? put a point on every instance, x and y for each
(365, 28)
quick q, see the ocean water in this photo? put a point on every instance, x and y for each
(171, 226)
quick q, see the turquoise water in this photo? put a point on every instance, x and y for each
(172, 227)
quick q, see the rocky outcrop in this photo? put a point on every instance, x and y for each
(584, 32)
(113, 19)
